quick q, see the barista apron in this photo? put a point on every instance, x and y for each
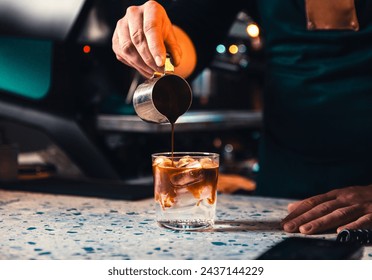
(318, 97)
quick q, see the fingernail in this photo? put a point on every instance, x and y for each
(305, 228)
(289, 226)
(159, 61)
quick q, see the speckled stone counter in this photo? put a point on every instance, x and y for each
(43, 226)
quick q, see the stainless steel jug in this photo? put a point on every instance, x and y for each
(164, 97)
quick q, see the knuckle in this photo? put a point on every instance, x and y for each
(137, 37)
(324, 208)
(311, 202)
(341, 213)
(125, 47)
(150, 25)
(118, 57)
(120, 23)
(152, 5)
(131, 10)
(351, 197)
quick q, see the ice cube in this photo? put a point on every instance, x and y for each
(194, 164)
(207, 163)
(187, 177)
(162, 161)
(185, 198)
(206, 192)
(184, 161)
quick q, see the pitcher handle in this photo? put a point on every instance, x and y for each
(168, 68)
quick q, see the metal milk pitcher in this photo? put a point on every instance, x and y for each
(164, 97)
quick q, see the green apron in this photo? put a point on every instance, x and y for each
(318, 103)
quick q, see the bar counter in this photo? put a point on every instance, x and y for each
(66, 227)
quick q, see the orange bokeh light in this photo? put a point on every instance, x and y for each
(233, 49)
(86, 49)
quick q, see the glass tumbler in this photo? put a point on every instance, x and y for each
(185, 188)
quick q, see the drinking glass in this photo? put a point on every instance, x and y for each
(185, 187)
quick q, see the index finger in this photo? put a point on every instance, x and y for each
(153, 25)
(137, 35)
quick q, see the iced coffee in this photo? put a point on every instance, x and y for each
(185, 186)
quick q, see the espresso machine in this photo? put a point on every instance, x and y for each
(66, 110)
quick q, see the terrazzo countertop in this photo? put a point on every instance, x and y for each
(45, 226)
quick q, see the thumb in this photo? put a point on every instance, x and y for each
(173, 48)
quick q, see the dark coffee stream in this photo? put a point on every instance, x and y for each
(172, 142)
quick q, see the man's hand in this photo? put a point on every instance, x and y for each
(142, 37)
(349, 207)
